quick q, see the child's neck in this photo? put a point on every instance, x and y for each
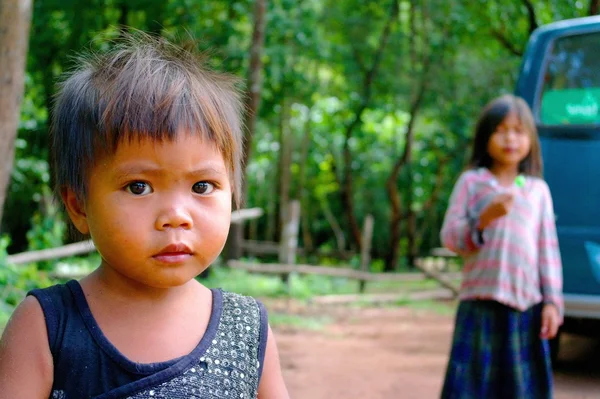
(505, 174)
(115, 286)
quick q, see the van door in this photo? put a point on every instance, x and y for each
(560, 79)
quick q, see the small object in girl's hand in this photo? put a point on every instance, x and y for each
(520, 181)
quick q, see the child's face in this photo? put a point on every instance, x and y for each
(158, 212)
(510, 143)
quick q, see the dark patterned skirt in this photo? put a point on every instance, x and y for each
(497, 352)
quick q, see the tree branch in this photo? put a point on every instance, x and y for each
(500, 34)
(358, 58)
(531, 15)
(506, 42)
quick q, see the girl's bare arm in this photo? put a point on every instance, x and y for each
(271, 384)
(26, 368)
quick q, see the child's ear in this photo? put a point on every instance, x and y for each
(76, 210)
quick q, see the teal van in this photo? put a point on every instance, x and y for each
(560, 79)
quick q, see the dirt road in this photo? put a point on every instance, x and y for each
(391, 353)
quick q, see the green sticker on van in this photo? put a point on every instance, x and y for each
(570, 106)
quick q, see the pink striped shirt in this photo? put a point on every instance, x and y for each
(518, 263)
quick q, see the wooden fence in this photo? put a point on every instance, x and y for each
(287, 250)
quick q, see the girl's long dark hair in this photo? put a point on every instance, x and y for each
(491, 116)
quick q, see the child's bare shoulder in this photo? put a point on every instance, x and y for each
(25, 360)
(26, 320)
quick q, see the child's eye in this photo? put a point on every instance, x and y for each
(203, 187)
(139, 188)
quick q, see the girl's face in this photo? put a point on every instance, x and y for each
(158, 212)
(510, 143)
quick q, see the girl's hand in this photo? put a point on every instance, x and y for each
(498, 207)
(550, 321)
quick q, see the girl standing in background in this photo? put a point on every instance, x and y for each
(500, 220)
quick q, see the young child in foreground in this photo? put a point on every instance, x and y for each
(146, 150)
(501, 221)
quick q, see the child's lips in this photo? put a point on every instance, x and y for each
(172, 257)
(174, 253)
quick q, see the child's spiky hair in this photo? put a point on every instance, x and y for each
(144, 87)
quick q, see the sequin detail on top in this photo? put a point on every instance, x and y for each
(230, 367)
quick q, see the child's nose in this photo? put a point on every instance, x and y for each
(173, 218)
(511, 135)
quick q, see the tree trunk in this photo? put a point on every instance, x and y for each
(433, 198)
(255, 76)
(271, 229)
(285, 163)
(155, 25)
(260, 199)
(346, 190)
(123, 17)
(236, 233)
(15, 20)
(303, 193)
(365, 252)
(340, 239)
(391, 260)
(593, 7)
(411, 222)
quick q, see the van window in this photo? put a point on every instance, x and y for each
(571, 87)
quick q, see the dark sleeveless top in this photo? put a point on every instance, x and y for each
(226, 363)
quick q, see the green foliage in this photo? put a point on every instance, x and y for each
(244, 283)
(48, 227)
(300, 287)
(29, 189)
(15, 282)
(317, 61)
